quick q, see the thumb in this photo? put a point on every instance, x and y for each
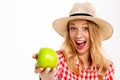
(35, 56)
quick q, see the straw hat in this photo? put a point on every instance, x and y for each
(83, 11)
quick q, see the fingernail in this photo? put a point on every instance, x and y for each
(48, 69)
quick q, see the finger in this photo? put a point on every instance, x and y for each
(47, 70)
(53, 70)
(38, 70)
(34, 56)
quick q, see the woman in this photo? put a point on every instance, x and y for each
(81, 55)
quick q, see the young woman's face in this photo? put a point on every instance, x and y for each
(79, 34)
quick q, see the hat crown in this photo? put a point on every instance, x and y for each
(84, 11)
(86, 8)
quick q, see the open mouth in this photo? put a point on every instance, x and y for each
(80, 44)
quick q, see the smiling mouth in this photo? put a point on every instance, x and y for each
(80, 44)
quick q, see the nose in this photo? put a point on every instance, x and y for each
(79, 34)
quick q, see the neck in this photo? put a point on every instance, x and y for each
(85, 59)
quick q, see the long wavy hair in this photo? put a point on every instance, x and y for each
(96, 51)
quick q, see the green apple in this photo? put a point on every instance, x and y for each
(47, 57)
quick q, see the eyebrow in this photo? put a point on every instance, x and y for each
(71, 23)
(85, 23)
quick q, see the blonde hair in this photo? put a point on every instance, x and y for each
(96, 54)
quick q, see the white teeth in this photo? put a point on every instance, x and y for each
(80, 41)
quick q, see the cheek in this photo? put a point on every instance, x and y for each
(72, 37)
(88, 38)
(87, 35)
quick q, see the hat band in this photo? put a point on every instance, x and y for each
(81, 14)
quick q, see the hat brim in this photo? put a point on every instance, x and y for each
(106, 28)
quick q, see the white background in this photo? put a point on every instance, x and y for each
(26, 26)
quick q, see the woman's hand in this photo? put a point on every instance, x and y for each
(46, 73)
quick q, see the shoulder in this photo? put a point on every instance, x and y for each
(61, 64)
(111, 68)
(111, 71)
(60, 56)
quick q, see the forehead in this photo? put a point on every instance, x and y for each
(77, 21)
